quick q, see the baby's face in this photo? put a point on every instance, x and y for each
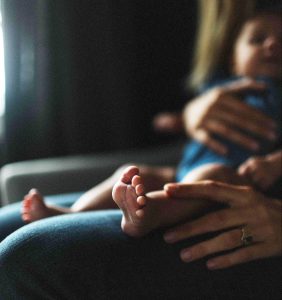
(257, 50)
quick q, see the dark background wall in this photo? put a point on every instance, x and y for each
(88, 76)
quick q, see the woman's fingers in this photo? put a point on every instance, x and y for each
(264, 241)
(211, 222)
(221, 128)
(212, 190)
(257, 171)
(239, 256)
(223, 242)
(224, 103)
(238, 115)
(226, 115)
(247, 208)
(205, 138)
(253, 113)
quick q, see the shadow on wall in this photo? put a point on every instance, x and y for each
(87, 76)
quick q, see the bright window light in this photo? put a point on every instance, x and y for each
(2, 72)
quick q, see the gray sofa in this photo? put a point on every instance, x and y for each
(76, 173)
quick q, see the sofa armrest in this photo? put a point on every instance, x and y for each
(75, 173)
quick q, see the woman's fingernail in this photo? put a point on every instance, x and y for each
(171, 186)
(186, 255)
(169, 237)
(211, 265)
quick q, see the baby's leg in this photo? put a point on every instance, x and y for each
(99, 197)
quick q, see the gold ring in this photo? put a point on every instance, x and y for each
(246, 237)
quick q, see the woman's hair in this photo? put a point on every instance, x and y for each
(219, 24)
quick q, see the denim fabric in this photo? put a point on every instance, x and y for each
(86, 256)
(10, 216)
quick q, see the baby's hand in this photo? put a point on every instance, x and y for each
(262, 171)
(167, 122)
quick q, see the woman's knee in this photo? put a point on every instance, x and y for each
(10, 219)
(44, 253)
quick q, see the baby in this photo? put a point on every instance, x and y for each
(256, 54)
(138, 191)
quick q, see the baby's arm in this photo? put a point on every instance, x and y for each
(263, 171)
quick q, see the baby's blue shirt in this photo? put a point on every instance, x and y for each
(269, 102)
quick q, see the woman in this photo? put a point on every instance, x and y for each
(86, 256)
(204, 115)
(70, 257)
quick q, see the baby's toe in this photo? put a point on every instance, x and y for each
(136, 180)
(140, 190)
(128, 174)
(27, 201)
(141, 200)
(26, 218)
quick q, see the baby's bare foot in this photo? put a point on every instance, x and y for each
(34, 208)
(125, 196)
(128, 193)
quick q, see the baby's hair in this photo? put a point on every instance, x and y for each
(220, 22)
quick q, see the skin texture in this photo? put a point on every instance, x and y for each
(223, 114)
(220, 111)
(244, 207)
(144, 212)
(168, 122)
(258, 47)
(262, 171)
(257, 52)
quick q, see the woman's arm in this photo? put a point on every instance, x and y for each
(247, 209)
(220, 111)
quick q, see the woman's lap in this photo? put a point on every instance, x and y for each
(10, 216)
(86, 256)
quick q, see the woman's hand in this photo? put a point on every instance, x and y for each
(246, 208)
(220, 111)
(262, 171)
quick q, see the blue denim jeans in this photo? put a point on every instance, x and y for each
(87, 256)
(10, 216)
